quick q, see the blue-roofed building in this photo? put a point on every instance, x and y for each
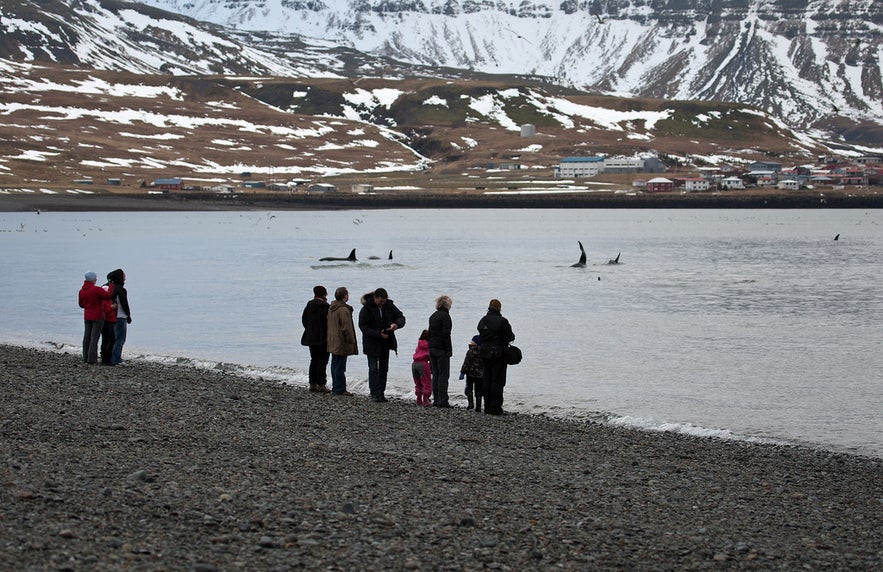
(575, 167)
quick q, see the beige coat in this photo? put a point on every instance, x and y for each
(341, 330)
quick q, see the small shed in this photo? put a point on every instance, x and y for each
(528, 130)
(321, 188)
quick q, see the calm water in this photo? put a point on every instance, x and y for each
(751, 324)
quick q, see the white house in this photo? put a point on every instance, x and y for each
(697, 184)
(789, 185)
(732, 183)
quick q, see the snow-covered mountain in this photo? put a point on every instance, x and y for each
(813, 63)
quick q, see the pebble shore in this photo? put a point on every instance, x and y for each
(155, 467)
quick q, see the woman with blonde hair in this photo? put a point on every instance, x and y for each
(440, 350)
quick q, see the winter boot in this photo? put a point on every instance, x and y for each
(471, 403)
(419, 399)
(313, 387)
(478, 404)
(426, 401)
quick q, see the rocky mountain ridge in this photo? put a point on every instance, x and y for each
(815, 64)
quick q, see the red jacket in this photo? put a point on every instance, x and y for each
(91, 300)
(110, 311)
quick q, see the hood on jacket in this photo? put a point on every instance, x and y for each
(116, 276)
(369, 297)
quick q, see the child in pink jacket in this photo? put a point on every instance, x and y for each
(420, 370)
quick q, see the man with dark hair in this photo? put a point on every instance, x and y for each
(315, 322)
(379, 318)
(341, 339)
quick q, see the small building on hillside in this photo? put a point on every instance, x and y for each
(789, 185)
(528, 130)
(169, 184)
(363, 188)
(660, 185)
(696, 185)
(575, 167)
(765, 166)
(731, 183)
(321, 188)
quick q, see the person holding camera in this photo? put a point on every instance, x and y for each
(379, 319)
(91, 299)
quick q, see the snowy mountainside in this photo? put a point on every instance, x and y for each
(115, 35)
(813, 63)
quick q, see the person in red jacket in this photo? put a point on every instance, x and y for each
(91, 300)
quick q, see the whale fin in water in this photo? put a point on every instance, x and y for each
(350, 258)
(582, 257)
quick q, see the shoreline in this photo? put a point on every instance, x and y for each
(200, 201)
(153, 466)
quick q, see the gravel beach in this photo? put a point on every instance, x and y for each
(154, 467)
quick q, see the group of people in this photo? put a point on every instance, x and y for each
(330, 331)
(106, 315)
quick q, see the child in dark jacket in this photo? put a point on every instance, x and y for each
(472, 371)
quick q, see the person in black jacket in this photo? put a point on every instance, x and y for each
(124, 314)
(315, 322)
(379, 318)
(440, 350)
(496, 334)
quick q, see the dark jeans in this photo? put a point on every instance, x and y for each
(338, 374)
(119, 334)
(474, 385)
(90, 340)
(318, 364)
(440, 364)
(378, 368)
(107, 340)
(493, 382)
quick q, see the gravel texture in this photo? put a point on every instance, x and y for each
(151, 467)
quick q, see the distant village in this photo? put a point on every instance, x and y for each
(829, 171)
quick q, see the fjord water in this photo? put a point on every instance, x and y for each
(736, 323)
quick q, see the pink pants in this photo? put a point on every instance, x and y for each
(422, 378)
